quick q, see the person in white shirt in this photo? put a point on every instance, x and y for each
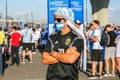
(117, 55)
(27, 35)
(96, 55)
(33, 40)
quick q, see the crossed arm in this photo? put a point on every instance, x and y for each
(70, 56)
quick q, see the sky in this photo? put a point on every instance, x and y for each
(22, 9)
(114, 11)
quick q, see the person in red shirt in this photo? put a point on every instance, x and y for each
(15, 39)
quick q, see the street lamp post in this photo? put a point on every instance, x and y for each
(86, 13)
(6, 14)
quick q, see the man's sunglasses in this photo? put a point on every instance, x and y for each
(58, 19)
(78, 23)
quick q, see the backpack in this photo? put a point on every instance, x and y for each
(104, 39)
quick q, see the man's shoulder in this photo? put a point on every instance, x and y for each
(1, 34)
(74, 33)
(15, 33)
(111, 32)
(97, 30)
(53, 35)
(26, 29)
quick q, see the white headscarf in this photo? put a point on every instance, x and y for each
(83, 61)
(68, 15)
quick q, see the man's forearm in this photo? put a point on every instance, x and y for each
(3, 49)
(65, 57)
(48, 58)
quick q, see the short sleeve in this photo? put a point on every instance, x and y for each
(30, 31)
(48, 47)
(97, 32)
(79, 44)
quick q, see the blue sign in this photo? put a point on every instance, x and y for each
(52, 6)
(78, 9)
(75, 5)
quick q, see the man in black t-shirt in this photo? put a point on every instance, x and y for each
(110, 52)
(63, 49)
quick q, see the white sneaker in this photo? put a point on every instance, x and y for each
(31, 62)
(100, 76)
(112, 74)
(92, 77)
(23, 62)
(33, 52)
(107, 75)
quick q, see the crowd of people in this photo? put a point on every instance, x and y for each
(103, 54)
(65, 49)
(14, 41)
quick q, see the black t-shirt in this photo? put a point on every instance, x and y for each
(58, 42)
(112, 37)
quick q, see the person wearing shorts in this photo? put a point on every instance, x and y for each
(117, 55)
(110, 53)
(26, 36)
(96, 55)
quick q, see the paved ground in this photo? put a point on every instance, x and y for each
(36, 71)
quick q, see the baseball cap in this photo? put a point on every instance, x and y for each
(78, 22)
